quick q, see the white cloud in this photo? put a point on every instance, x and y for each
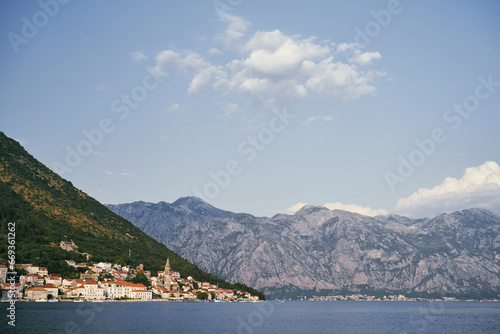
(346, 47)
(294, 208)
(235, 31)
(204, 71)
(320, 118)
(275, 55)
(203, 78)
(214, 51)
(273, 66)
(354, 54)
(175, 107)
(363, 210)
(186, 59)
(101, 86)
(164, 137)
(346, 82)
(230, 110)
(478, 187)
(366, 58)
(138, 55)
(107, 172)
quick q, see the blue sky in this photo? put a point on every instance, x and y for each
(259, 106)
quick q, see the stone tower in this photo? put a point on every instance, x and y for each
(166, 275)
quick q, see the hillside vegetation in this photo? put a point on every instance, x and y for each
(47, 209)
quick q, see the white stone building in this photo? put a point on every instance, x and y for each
(141, 294)
(33, 270)
(10, 291)
(56, 280)
(115, 290)
(51, 290)
(36, 293)
(3, 273)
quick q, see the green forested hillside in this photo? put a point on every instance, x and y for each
(48, 209)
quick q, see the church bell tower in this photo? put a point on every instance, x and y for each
(166, 275)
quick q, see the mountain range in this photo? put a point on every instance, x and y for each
(46, 209)
(318, 251)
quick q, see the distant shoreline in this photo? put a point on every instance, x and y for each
(260, 301)
(129, 301)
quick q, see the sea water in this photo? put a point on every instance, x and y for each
(263, 317)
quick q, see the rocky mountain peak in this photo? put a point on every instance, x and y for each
(190, 202)
(311, 209)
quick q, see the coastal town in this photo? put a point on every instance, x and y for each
(105, 281)
(387, 298)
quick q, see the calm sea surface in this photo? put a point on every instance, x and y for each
(266, 317)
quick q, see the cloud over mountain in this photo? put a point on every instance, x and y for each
(363, 210)
(294, 208)
(478, 187)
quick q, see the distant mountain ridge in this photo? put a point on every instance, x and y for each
(322, 251)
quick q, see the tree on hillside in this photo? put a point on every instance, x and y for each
(202, 296)
(141, 278)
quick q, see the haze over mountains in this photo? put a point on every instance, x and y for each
(322, 251)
